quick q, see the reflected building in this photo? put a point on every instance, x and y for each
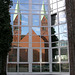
(39, 38)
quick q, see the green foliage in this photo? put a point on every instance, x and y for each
(5, 27)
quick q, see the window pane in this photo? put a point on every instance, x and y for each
(64, 67)
(35, 30)
(35, 7)
(54, 30)
(55, 6)
(63, 43)
(55, 67)
(24, 31)
(23, 68)
(54, 38)
(35, 44)
(54, 19)
(61, 4)
(24, 6)
(35, 38)
(35, 1)
(45, 67)
(44, 55)
(62, 28)
(23, 55)
(15, 44)
(12, 67)
(35, 67)
(36, 55)
(23, 38)
(62, 17)
(44, 30)
(63, 37)
(35, 20)
(24, 19)
(45, 39)
(23, 44)
(44, 20)
(15, 30)
(24, 1)
(44, 44)
(64, 55)
(13, 55)
(55, 55)
(15, 38)
(56, 44)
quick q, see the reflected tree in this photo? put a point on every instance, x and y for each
(5, 35)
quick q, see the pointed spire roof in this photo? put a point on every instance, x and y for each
(16, 10)
(43, 11)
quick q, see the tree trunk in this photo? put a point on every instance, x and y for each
(3, 62)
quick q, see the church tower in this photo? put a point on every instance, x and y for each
(15, 22)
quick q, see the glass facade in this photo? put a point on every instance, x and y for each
(40, 42)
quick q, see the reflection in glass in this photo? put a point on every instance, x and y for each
(64, 55)
(44, 30)
(44, 55)
(15, 44)
(63, 43)
(24, 1)
(23, 44)
(35, 7)
(23, 38)
(63, 37)
(15, 30)
(35, 30)
(54, 1)
(24, 7)
(35, 20)
(23, 55)
(35, 1)
(44, 44)
(44, 20)
(55, 67)
(54, 19)
(62, 17)
(12, 67)
(36, 55)
(24, 30)
(64, 67)
(56, 44)
(13, 55)
(54, 5)
(45, 67)
(24, 11)
(55, 55)
(62, 28)
(54, 38)
(54, 30)
(43, 1)
(61, 3)
(43, 7)
(23, 68)
(35, 38)
(35, 67)
(45, 39)
(35, 44)
(24, 19)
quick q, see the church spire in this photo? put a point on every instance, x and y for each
(43, 11)
(16, 10)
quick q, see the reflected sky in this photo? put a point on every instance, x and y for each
(24, 30)
(36, 30)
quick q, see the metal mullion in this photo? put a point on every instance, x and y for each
(49, 33)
